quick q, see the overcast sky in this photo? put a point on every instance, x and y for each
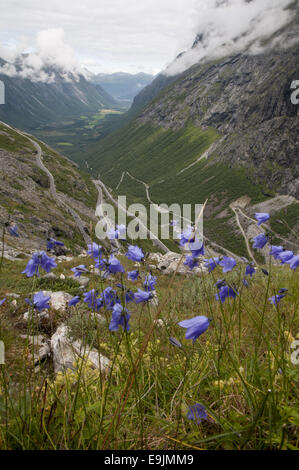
(106, 35)
(130, 35)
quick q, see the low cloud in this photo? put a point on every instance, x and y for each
(50, 51)
(230, 26)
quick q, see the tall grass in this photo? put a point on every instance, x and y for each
(240, 370)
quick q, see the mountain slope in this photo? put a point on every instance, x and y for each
(26, 197)
(31, 104)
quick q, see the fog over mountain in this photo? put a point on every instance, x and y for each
(51, 51)
(225, 27)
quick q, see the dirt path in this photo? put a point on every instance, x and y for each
(53, 190)
(235, 210)
(153, 237)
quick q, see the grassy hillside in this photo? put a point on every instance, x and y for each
(25, 197)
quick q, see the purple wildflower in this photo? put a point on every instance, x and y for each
(14, 231)
(249, 270)
(134, 253)
(115, 266)
(275, 299)
(74, 301)
(275, 251)
(79, 270)
(225, 292)
(260, 240)
(2, 301)
(188, 236)
(197, 413)
(133, 275)
(91, 298)
(195, 326)
(293, 262)
(211, 264)
(191, 262)
(227, 264)
(120, 317)
(141, 296)
(196, 249)
(261, 217)
(40, 301)
(51, 242)
(150, 282)
(94, 250)
(39, 259)
(285, 256)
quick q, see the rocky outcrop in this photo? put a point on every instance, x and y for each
(169, 262)
(66, 352)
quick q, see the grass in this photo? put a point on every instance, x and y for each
(240, 369)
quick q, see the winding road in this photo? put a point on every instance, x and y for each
(152, 236)
(53, 191)
(158, 242)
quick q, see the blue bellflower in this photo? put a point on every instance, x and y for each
(51, 242)
(261, 217)
(150, 282)
(197, 413)
(225, 292)
(79, 270)
(275, 299)
(249, 270)
(276, 250)
(92, 300)
(94, 250)
(40, 301)
(260, 241)
(141, 296)
(14, 231)
(134, 253)
(120, 317)
(115, 266)
(39, 259)
(293, 262)
(285, 256)
(191, 262)
(195, 326)
(197, 248)
(74, 301)
(133, 275)
(211, 263)
(227, 264)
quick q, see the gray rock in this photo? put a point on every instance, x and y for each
(66, 352)
(59, 300)
(41, 348)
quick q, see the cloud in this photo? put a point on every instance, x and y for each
(50, 51)
(107, 35)
(230, 26)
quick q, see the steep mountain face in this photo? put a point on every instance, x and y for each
(26, 195)
(225, 131)
(247, 101)
(31, 103)
(122, 86)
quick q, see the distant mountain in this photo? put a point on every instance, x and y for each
(122, 86)
(31, 103)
